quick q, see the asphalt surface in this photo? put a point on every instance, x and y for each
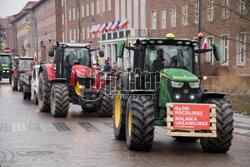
(31, 138)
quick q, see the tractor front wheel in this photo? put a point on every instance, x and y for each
(107, 103)
(140, 123)
(119, 114)
(43, 94)
(224, 127)
(59, 100)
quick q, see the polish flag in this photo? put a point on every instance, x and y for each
(97, 28)
(92, 29)
(108, 28)
(115, 26)
(205, 44)
(124, 23)
(102, 28)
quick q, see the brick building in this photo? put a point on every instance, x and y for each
(3, 32)
(223, 21)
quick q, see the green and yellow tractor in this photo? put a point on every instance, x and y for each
(163, 88)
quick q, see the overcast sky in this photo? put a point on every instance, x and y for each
(10, 7)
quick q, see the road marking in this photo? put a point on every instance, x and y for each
(88, 126)
(61, 126)
(18, 127)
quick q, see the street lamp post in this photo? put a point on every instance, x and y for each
(199, 38)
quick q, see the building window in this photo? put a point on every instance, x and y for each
(92, 8)
(87, 31)
(69, 14)
(225, 50)
(185, 14)
(109, 5)
(173, 21)
(83, 33)
(63, 38)
(196, 12)
(209, 55)
(210, 15)
(74, 34)
(153, 19)
(241, 49)
(243, 7)
(62, 2)
(62, 19)
(74, 13)
(87, 9)
(82, 11)
(225, 10)
(70, 35)
(103, 5)
(163, 18)
(97, 6)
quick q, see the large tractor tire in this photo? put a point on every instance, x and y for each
(106, 109)
(13, 82)
(43, 94)
(224, 127)
(119, 117)
(140, 123)
(59, 100)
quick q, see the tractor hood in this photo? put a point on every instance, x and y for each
(179, 75)
(84, 71)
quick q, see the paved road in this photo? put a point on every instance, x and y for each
(30, 138)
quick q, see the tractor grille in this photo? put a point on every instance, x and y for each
(185, 94)
(88, 82)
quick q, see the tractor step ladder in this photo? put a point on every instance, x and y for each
(191, 133)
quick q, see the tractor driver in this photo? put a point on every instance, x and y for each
(158, 64)
(175, 61)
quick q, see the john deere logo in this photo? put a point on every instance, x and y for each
(186, 91)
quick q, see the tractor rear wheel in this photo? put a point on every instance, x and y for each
(13, 82)
(59, 100)
(107, 103)
(43, 94)
(140, 123)
(119, 116)
(224, 124)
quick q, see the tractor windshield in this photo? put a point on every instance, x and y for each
(5, 60)
(25, 64)
(73, 56)
(158, 57)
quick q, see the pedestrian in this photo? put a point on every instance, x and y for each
(107, 65)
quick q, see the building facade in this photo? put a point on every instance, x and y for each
(225, 22)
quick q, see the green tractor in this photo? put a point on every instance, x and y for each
(5, 66)
(163, 88)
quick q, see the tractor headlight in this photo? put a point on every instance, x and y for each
(82, 87)
(177, 84)
(194, 84)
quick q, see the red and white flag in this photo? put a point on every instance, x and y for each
(97, 28)
(124, 23)
(205, 43)
(108, 28)
(102, 28)
(92, 29)
(115, 26)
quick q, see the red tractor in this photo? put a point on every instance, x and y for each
(73, 78)
(21, 65)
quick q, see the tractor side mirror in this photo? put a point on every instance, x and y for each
(216, 51)
(121, 50)
(101, 53)
(51, 53)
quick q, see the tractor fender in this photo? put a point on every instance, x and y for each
(48, 70)
(206, 95)
(59, 80)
